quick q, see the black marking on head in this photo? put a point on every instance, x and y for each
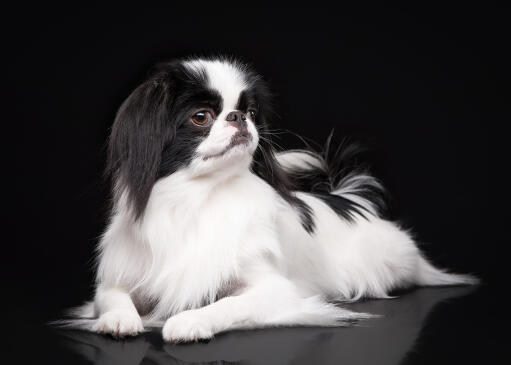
(248, 100)
(151, 136)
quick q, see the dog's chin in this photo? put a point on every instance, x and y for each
(239, 145)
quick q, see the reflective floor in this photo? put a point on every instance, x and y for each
(423, 326)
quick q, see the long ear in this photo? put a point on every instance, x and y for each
(139, 133)
(267, 167)
(265, 163)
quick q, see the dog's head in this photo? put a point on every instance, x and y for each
(202, 116)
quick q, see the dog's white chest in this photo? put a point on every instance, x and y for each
(199, 244)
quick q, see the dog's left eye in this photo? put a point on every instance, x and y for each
(202, 118)
(252, 114)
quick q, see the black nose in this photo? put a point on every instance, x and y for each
(237, 117)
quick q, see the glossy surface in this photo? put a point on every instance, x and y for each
(429, 325)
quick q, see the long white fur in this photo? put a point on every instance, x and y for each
(217, 248)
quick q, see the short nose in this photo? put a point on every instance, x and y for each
(236, 117)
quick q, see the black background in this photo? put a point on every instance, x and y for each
(420, 87)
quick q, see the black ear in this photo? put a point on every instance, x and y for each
(140, 131)
(265, 163)
(268, 168)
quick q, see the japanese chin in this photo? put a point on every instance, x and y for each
(212, 229)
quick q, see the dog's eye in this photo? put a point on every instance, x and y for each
(252, 115)
(202, 118)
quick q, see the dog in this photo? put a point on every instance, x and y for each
(212, 229)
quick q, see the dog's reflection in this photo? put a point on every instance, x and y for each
(384, 340)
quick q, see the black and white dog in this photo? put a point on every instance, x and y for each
(212, 229)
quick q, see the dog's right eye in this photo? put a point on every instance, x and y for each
(202, 118)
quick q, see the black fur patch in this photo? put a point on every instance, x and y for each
(150, 137)
(265, 164)
(338, 166)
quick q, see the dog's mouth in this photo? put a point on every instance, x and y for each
(239, 138)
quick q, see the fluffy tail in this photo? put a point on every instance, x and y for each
(336, 178)
(428, 275)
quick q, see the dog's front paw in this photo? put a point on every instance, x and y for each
(187, 326)
(119, 324)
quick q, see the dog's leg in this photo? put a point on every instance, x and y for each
(117, 313)
(271, 301)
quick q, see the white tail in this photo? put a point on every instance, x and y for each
(428, 275)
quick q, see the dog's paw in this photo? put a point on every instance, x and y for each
(119, 324)
(187, 326)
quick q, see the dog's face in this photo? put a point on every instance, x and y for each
(199, 116)
(221, 110)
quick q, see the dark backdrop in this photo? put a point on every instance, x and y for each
(418, 87)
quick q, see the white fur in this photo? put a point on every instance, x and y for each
(225, 77)
(217, 248)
